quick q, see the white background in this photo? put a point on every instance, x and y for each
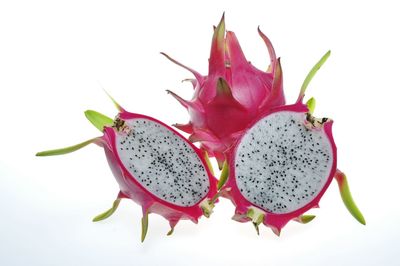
(55, 58)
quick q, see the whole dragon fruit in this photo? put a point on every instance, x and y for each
(232, 94)
(154, 166)
(282, 165)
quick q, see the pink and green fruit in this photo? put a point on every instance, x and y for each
(154, 166)
(277, 160)
(282, 165)
(232, 94)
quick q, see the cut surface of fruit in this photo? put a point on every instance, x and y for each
(280, 164)
(162, 162)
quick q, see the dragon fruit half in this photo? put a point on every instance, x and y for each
(154, 166)
(282, 165)
(231, 96)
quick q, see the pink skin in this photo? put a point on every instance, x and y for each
(217, 120)
(132, 189)
(275, 221)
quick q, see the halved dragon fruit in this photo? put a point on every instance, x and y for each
(154, 166)
(283, 164)
(232, 94)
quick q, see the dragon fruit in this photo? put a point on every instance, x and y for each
(233, 90)
(283, 164)
(154, 166)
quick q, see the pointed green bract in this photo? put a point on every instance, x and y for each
(170, 232)
(257, 217)
(219, 31)
(311, 105)
(98, 120)
(207, 159)
(145, 225)
(347, 198)
(256, 226)
(276, 82)
(117, 105)
(109, 212)
(223, 88)
(304, 219)
(224, 175)
(312, 73)
(67, 149)
(207, 207)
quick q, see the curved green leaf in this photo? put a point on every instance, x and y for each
(67, 149)
(98, 120)
(312, 73)
(311, 105)
(304, 219)
(145, 225)
(109, 212)
(224, 175)
(170, 232)
(208, 162)
(207, 206)
(347, 198)
(257, 218)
